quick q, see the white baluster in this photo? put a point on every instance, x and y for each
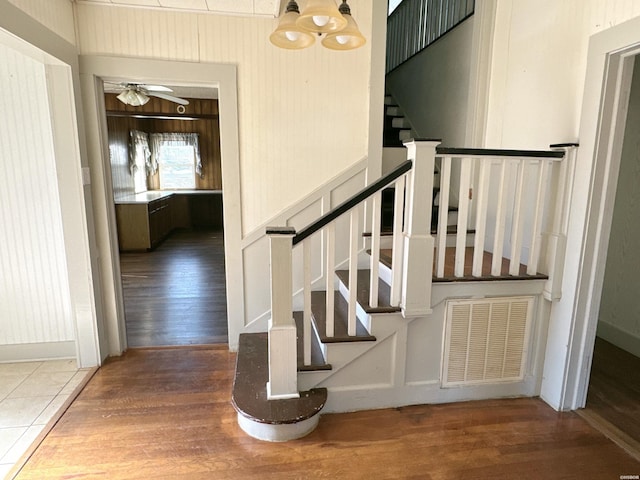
(375, 249)
(306, 294)
(463, 216)
(482, 201)
(498, 238)
(516, 223)
(398, 243)
(353, 270)
(443, 215)
(534, 251)
(330, 232)
(283, 371)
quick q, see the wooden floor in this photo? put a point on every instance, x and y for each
(166, 413)
(176, 295)
(614, 389)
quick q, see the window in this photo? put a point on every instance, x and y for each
(177, 167)
(139, 156)
(176, 158)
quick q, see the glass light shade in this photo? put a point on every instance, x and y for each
(321, 16)
(289, 35)
(348, 38)
(132, 97)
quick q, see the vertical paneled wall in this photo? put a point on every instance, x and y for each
(303, 115)
(34, 286)
(121, 177)
(538, 67)
(56, 15)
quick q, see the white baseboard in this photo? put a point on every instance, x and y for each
(339, 401)
(620, 338)
(25, 352)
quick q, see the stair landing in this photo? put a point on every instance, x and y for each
(272, 420)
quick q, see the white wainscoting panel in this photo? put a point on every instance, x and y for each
(35, 305)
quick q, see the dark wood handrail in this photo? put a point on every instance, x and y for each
(347, 205)
(483, 152)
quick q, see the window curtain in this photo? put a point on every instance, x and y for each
(157, 140)
(139, 150)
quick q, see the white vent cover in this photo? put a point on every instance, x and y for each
(486, 340)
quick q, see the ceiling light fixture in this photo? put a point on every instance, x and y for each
(296, 29)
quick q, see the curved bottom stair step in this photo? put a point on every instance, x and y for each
(271, 420)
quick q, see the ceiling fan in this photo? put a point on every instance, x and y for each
(136, 94)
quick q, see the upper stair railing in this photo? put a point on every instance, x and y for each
(498, 190)
(415, 24)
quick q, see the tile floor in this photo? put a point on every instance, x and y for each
(31, 393)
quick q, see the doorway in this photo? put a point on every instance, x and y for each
(167, 191)
(94, 70)
(613, 398)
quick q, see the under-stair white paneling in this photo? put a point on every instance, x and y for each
(34, 286)
(303, 115)
(56, 15)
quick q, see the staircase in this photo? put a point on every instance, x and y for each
(397, 127)
(356, 343)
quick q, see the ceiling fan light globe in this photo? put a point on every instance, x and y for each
(292, 36)
(321, 20)
(321, 16)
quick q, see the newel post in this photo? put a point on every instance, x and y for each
(556, 237)
(283, 370)
(418, 242)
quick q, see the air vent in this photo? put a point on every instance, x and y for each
(486, 340)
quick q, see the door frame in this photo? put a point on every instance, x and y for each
(94, 69)
(606, 95)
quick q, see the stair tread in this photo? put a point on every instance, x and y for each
(317, 359)
(249, 395)
(384, 292)
(319, 308)
(386, 259)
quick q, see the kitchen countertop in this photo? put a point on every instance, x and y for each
(151, 195)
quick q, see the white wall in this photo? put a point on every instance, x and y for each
(432, 87)
(56, 15)
(619, 307)
(538, 68)
(303, 115)
(35, 303)
(60, 62)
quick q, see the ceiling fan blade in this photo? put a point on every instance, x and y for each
(156, 88)
(171, 98)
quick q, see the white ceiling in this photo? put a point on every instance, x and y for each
(228, 7)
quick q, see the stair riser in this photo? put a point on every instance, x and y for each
(400, 122)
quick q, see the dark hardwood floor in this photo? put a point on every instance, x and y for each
(166, 413)
(614, 390)
(176, 295)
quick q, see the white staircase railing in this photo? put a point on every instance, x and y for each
(498, 190)
(504, 198)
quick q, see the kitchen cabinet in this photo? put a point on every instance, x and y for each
(142, 226)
